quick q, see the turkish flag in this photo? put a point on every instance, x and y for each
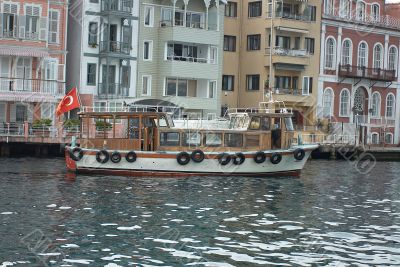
(69, 102)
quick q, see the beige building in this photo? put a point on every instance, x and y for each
(290, 29)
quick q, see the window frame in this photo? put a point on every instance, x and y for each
(349, 56)
(229, 43)
(252, 76)
(393, 106)
(331, 104)
(330, 58)
(93, 74)
(58, 27)
(254, 9)
(151, 16)
(225, 83)
(253, 42)
(376, 107)
(228, 9)
(148, 77)
(378, 60)
(149, 52)
(90, 35)
(343, 104)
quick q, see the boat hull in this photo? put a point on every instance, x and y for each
(155, 164)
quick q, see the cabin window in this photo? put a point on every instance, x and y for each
(265, 123)
(233, 140)
(289, 124)
(191, 139)
(252, 140)
(133, 128)
(162, 122)
(169, 139)
(255, 123)
(213, 139)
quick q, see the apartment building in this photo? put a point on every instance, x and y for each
(102, 51)
(359, 70)
(180, 55)
(32, 60)
(271, 49)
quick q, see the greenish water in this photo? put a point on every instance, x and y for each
(331, 216)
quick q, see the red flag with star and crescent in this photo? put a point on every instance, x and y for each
(69, 102)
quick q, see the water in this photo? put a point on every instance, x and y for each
(331, 216)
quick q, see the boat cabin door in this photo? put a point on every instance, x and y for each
(276, 133)
(149, 133)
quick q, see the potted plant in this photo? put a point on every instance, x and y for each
(93, 45)
(102, 127)
(41, 127)
(72, 126)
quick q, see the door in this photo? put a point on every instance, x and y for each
(113, 38)
(110, 87)
(24, 75)
(51, 76)
(5, 82)
(126, 39)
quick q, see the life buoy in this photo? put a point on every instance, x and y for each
(259, 157)
(72, 153)
(299, 154)
(238, 158)
(183, 158)
(115, 157)
(197, 156)
(102, 153)
(224, 159)
(131, 156)
(276, 158)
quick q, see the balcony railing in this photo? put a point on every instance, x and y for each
(287, 91)
(375, 121)
(112, 90)
(187, 59)
(367, 73)
(287, 52)
(189, 24)
(115, 47)
(289, 15)
(124, 6)
(32, 85)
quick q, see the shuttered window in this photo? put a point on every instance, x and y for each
(32, 14)
(53, 26)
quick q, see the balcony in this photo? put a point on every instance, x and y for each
(287, 91)
(112, 90)
(115, 47)
(367, 120)
(382, 75)
(117, 6)
(291, 16)
(287, 56)
(21, 85)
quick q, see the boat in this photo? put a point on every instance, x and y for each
(248, 142)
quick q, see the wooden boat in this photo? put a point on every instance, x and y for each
(251, 142)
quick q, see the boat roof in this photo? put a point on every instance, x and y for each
(118, 113)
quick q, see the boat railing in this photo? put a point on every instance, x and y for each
(258, 110)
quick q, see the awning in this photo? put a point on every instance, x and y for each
(293, 67)
(23, 52)
(287, 29)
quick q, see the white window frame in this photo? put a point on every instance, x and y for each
(328, 7)
(350, 55)
(148, 77)
(37, 23)
(393, 107)
(151, 19)
(395, 57)
(150, 52)
(378, 61)
(365, 56)
(375, 17)
(341, 103)
(364, 10)
(376, 107)
(332, 101)
(58, 26)
(330, 58)
(344, 8)
(377, 138)
(306, 91)
(214, 89)
(213, 60)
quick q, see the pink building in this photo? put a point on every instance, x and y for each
(32, 59)
(359, 79)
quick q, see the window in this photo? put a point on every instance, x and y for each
(32, 14)
(125, 80)
(229, 43)
(93, 27)
(53, 26)
(375, 138)
(47, 110)
(176, 87)
(282, 42)
(233, 140)
(212, 85)
(253, 42)
(253, 82)
(255, 9)
(312, 12)
(169, 139)
(146, 85)
(376, 105)
(327, 103)
(362, 55)
(213, 139)
(213, 54)
(147, 50)
(228, 82)
(378, 57)
(360, 8)
(328, 7)
(390, 100)
(21, 113)
(344, 11)
(392, 61)
(91, 74)
(344, 103)
(389, 138)
(231, 9)
(346, 52)
(149, 16)
(94, 1)
(330, 53)
(310, 45)
(282, 82)
(191, 139)
(375, 12)
(10, 20)
(307, 85)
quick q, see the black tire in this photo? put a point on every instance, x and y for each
(72, 153)
(183, 158)
(260, 157)
(197, 156)
(224, 159)
(115, 157)
(103, 153)
(239, 158)
(131, 156)
(299, 154)
(276, 158)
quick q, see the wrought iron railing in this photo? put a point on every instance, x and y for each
(112, 90)
(117, 5)
(368, 73)
(115, 47)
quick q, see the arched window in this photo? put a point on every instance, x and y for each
(362, 55)
(346, 52)
(375, 12)
(344, 103)
(375, 138)
(330, 53)
(360, 10)
(344, 11)
(376, 105)
(327, 103)
(392, 61)
(389, 138)
(378, 57)
(390, 102)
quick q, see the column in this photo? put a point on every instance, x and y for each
(386, 53)
(207, 4)
(338, 49)
(396, 137)
(322, 59)
(186, 2)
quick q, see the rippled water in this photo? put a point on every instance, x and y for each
(331, 216)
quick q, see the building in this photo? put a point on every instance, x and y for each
(180, 55)
(102, 51)
(32, 60)
(272, 48)
(359, 81)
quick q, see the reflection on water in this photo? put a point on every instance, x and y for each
(331, 216)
